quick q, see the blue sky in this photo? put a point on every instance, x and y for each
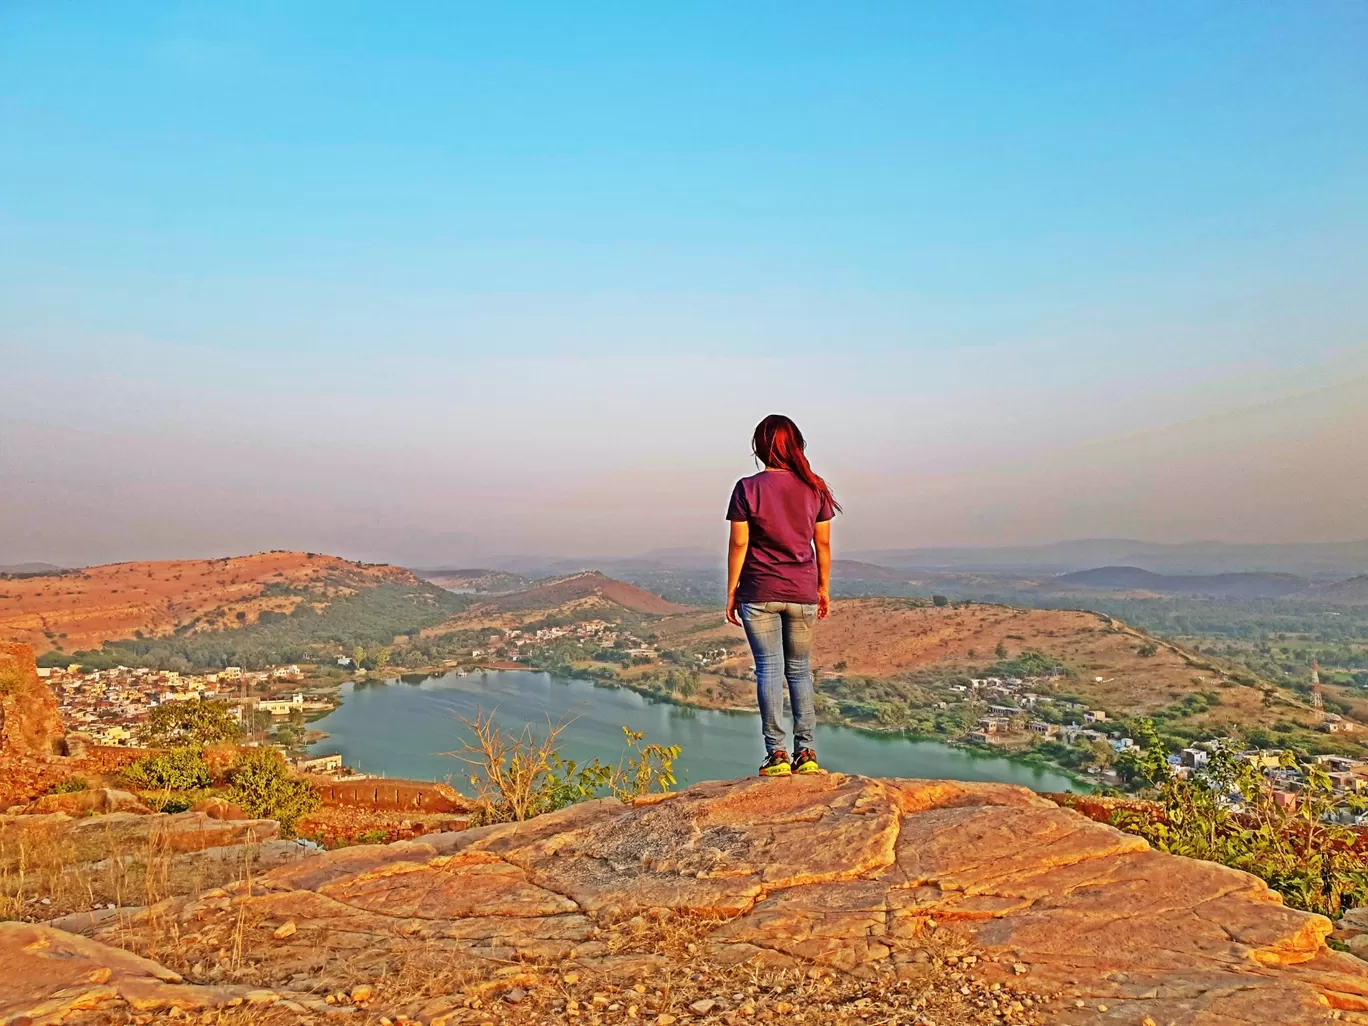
(441, 280)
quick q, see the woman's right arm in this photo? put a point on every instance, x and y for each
(736, 558)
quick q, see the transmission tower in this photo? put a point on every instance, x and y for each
(1317, 703)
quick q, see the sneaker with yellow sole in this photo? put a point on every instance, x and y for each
(805, 762)
(777, 765)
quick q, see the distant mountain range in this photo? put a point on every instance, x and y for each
(683, 558)
(1311, 559)
(1315, 559)
(1132, 578)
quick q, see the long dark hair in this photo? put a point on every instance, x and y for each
(778, 443)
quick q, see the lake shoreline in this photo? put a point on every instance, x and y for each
(366, 737)
(976, 751)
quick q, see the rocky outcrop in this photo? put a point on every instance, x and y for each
(32, 721)
(30, 728)
(838, 874)
(87, 803)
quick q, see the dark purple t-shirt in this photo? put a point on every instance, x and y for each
(781, 565)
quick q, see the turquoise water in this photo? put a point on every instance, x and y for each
(402, 730)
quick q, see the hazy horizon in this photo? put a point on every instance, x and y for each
(522, 280)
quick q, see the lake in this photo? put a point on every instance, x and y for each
(402, 729)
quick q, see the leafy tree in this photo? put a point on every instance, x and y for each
(1001, 650)
(261, 787)
(173, 724)
(940, 600)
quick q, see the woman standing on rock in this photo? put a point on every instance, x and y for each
(778, 583)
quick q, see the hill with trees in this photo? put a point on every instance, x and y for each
(250, 611)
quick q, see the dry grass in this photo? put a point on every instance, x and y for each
(48, 870)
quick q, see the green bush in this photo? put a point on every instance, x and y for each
(180, 769)
(71, 785)
(1311, 862)
(169, 803)
(260, 785)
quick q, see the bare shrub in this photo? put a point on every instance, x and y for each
(516, 776)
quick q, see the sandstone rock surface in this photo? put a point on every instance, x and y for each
(850, 874)
(51, 975)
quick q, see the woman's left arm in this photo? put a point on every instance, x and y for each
(821, 538)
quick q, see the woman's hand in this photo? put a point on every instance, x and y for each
(733, 615)
(823, 604)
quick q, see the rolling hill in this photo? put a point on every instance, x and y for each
(590, 589)
(589, 595)
(887, 644)
(188, 599)
(1354, 591)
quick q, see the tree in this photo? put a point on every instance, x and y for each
(261, 787)
(1001, 650)
(940, 600)
(174, 724)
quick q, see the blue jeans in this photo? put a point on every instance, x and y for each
(780, 636)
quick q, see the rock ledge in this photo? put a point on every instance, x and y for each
(843, 872)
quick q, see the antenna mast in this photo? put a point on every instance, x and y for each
(1317, 703)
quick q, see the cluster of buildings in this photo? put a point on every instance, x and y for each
(1347, 776)
(1016, 713)
(107, 705)
(606, 634)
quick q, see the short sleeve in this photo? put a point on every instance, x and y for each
(825, 511)
(738, 508)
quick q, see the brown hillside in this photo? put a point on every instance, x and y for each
(83, 609)
(584, 595)
(880, 637)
